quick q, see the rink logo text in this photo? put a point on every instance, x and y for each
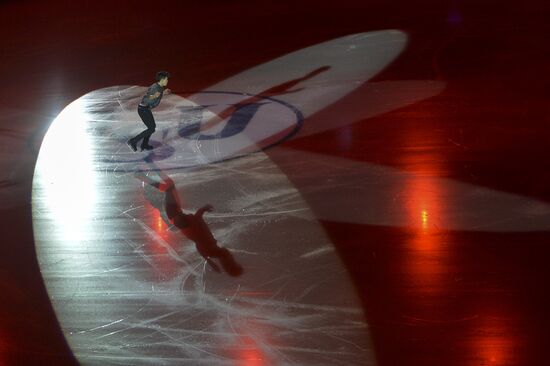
(240, 115)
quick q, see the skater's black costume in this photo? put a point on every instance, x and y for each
(149, 101)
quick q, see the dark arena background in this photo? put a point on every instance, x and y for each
(331, 183)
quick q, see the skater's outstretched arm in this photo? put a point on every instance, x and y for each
(203, 209)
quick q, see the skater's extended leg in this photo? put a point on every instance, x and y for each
(147, 118)
(149, 121)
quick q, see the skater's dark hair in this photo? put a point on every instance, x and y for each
(162, 74)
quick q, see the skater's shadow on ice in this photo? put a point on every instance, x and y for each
(191, 225)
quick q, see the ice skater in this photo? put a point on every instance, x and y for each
(150, 100)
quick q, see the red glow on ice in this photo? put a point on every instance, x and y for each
(427, 255)
(250, 355)
(494, 343)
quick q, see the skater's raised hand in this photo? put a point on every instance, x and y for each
(167, 91)
(203, 209)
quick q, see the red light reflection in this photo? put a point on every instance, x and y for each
(427, 256)
(157, 245)
(493, 342)
(250, 354)
(251, 340)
